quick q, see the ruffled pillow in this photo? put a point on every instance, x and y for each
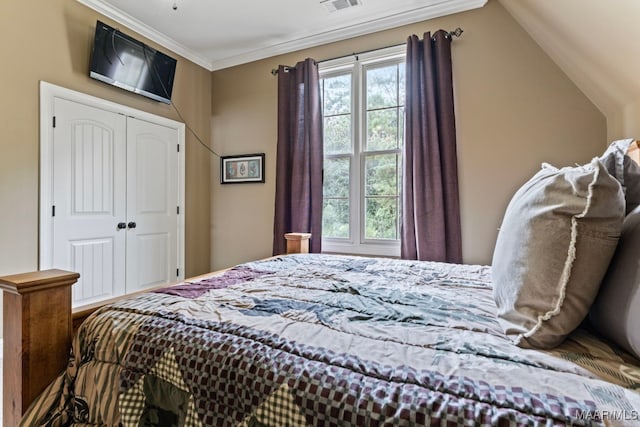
(557, 238)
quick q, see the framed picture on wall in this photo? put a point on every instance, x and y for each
(242, 169)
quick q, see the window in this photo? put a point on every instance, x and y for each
(363, 111)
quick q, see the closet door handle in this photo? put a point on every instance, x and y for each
(131, 225)
(122, 225)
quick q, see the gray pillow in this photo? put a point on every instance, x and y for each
(624, 169)
(616, 311)
(557, 237)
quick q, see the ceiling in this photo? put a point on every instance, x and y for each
(596, 43)
(219, 34)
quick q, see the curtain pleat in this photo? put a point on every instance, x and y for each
(298, 204)
(430, 204)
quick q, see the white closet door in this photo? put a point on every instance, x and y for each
(152, 203)
(89, 182)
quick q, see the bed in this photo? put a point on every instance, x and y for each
(330, 340)
(547, 335)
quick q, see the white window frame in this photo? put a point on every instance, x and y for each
(357, 65)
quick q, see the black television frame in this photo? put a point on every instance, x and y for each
(157, 66)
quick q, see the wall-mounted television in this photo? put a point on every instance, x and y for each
(122, 61)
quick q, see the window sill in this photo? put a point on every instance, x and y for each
(386, 249)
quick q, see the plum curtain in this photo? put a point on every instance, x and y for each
(430, 204)
(298, 206)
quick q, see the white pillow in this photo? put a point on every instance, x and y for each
(557, 237)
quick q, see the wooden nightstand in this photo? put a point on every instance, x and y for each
(297, 243)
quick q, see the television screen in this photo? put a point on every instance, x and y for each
(127, 63)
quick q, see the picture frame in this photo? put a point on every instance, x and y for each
(242, 169)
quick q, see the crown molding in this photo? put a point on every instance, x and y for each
(393, 21)
(410, 17)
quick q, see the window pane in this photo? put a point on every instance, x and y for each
(382, 179)
(381, 218)
(382, 87)
(382, 129)
(337, 134)
(335, 218)
(337, 95)
(336, 178)
(401, 86)
(381, 175)
(401, 128)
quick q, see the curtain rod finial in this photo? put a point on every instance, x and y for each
(457, 32)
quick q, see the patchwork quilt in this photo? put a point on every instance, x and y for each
(327, 340)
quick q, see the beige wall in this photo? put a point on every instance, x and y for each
(605, 68)
(624, 122)
(514, 108)
(51, 41)
(631, 122)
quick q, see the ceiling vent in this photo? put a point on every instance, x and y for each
(335, 5)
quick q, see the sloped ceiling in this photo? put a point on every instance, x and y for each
(595, 42)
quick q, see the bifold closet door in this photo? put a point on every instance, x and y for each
(89, 198)
(115, 201)
(152, 204)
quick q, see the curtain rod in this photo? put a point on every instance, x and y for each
(457, 33)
